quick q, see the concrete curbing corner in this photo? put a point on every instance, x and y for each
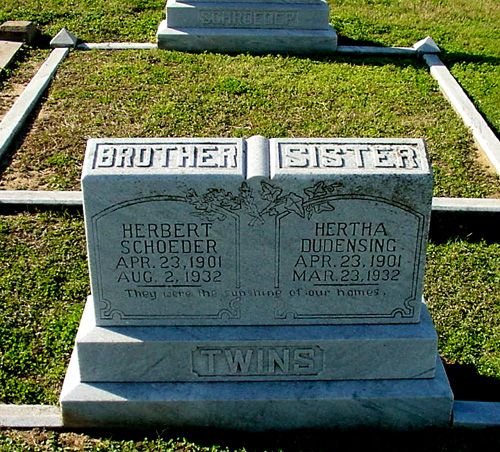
(484, 136)
(17, 115)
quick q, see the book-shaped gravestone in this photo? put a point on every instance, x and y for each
(257, 285)
(256, 232)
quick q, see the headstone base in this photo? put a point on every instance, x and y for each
(198, 354)
(255, 41)
(258, 406)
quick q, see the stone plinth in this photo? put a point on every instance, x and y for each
(197, 354)
(258, 406)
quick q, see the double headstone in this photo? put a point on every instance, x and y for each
(257, 26)
(256, 284)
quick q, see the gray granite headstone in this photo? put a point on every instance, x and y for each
(257, 26)
(256, 232)
(256, 284)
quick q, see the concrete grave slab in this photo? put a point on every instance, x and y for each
(476, 415)
(8, 50)
(30, 416)
(234, 232)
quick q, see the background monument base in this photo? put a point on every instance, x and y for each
(256, 41)
(258, 406)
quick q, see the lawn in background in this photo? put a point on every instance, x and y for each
(466, 30)
(171, 94)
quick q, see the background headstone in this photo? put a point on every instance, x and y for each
(19, 30)
(248, 26)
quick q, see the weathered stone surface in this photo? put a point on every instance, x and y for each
(313, 16)
(400, 404)
(8, 50)
(30, 416)
(325, 231)
(19, 30)
(476, 415)
(341, 352)
(64, 39)
(255, 41)
(256, 26)
(256, 284)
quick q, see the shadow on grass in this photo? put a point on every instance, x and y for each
(346, 41)
(470, 226)
(468, 384)
(462, 57)
(317, 440)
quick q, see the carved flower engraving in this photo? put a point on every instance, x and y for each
(215, 203)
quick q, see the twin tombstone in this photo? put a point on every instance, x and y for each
(256, 284)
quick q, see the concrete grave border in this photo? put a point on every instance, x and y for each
(466, 414)
(74, 198)
(8, 50)
(15, 118)
(486, 139)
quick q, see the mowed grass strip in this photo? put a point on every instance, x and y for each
(462, 282)
(466, 30)
(44, 285)
(173, 94)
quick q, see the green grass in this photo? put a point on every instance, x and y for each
(466, 30)
(462, 282)
(90, 20)
(168, 94)
(44, 284)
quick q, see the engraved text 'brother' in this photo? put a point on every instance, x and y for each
(166, 156)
